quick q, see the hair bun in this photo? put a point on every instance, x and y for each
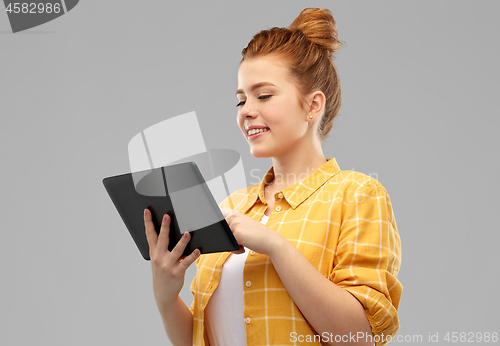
(318, 26)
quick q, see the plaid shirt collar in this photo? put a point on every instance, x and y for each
(296, 193)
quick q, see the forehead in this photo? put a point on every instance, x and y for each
(263, 69)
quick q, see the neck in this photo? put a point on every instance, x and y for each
(293, 167)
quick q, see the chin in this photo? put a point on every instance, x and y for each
(260, 153)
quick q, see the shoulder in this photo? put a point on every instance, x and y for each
(355, 186)
(354, 181)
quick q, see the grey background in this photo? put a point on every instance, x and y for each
(418, 83)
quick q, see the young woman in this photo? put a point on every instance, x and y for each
(320, 250)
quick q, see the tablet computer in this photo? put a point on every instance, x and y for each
(179, 191)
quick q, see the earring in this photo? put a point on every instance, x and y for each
(310, 117)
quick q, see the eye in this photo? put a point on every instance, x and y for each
(262, 97)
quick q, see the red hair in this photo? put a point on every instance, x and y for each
(307, 46)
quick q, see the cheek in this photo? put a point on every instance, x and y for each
(239, 120)
(276, 117)
(285, 119)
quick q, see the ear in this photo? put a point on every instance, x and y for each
(317, 102)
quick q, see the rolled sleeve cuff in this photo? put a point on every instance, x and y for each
(381, 314)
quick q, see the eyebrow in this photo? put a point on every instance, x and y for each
(255, 86)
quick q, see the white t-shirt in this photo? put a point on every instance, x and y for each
(224, 313)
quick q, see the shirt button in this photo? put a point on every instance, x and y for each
(252, 253)
(278, 208)
(247, 320)
(280, 195)
(248, 283)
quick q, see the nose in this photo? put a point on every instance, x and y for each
(247, 111)
(246, 114)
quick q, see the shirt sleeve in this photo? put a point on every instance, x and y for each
(192, 286)
(368, 257)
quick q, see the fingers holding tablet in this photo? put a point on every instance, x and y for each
(160, 242)
(151, 234)
(178, 250)
(163, 237)
(168, 272)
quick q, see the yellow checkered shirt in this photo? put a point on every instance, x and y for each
(343, 223)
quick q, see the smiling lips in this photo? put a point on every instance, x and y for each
(256, 131)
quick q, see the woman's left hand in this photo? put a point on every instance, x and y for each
(251, 233)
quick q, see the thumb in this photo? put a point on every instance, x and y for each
(226, 211)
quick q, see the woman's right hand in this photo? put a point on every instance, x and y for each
(169, 267)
